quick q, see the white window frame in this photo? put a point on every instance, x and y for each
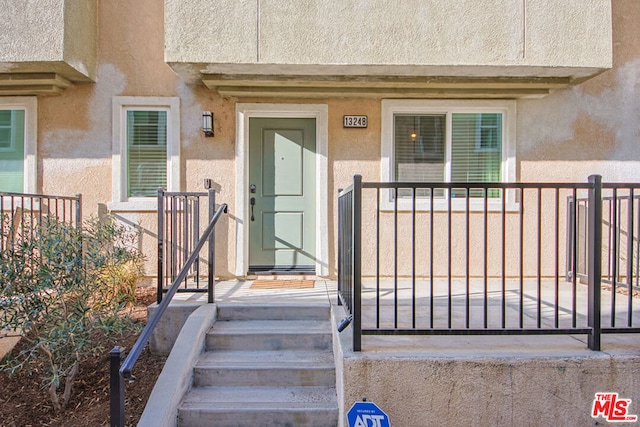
(391, 107)
(29, 104)
(122, 104)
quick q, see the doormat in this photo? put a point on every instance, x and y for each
(282, 284)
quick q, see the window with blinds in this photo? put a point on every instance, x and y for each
(146, 152)
(476, 155)
(419, 150)
(470, 150)
(12, 128)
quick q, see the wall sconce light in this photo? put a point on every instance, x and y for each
(207, 123)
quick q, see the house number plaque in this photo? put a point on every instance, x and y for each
(355, 121)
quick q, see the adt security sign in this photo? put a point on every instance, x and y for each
(367, 414)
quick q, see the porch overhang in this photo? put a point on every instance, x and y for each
(387, 86)
(46, 45)
(19, 84)
(426, 49)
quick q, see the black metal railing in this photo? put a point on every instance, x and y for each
(481, 259)
(179, 219)
(621, 245)
(21, 213)
(122, 370)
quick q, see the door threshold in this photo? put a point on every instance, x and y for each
(282, 270)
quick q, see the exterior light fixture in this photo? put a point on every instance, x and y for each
(207, 123)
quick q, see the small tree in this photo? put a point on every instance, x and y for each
(58, 289)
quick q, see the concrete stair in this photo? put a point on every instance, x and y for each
(268, 365)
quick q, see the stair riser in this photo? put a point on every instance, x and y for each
(273, 313)
(273, 418)
(268, 342)
(264, 377)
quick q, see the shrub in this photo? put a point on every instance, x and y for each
(59, 286)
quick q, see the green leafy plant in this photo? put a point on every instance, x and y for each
(59, 286)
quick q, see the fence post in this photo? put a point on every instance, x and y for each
(78, 211)
(570, 269)
(340, 242)
(78, 223)
(594, 241)
(357, 262)
(160, 244)
(212, 248)
(116, 386)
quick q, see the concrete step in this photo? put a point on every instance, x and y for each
(265, 368)
(259, 406)
(269, 335)
(273, 312)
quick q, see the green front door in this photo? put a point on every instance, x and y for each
(282, 195)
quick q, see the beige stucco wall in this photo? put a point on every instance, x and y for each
(74, 131)
(593, 127)
(417, 37)
(566, 136)
(49, 36)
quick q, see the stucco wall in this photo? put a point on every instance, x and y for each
(482, 34)
(566, 136)
(74, 131)
(49, 36)
(592, 127)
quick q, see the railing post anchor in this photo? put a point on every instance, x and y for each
(116, 385)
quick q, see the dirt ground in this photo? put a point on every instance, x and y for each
(23, 403)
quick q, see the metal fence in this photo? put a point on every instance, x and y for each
(620, 248)
(21, 213)
(487, 258)
(179, 219)
(121, 368)
(620, 219)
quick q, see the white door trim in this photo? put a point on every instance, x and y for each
(320, 112)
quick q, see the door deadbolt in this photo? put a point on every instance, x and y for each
(252, 188)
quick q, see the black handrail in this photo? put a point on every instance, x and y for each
(117, 391)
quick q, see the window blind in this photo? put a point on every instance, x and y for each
(12, 150)
(419, 150)
(476, 149)
(147, 152)
(421, 143)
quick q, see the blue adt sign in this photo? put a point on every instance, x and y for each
(367, 414)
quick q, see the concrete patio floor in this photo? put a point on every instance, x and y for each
(325, 291)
